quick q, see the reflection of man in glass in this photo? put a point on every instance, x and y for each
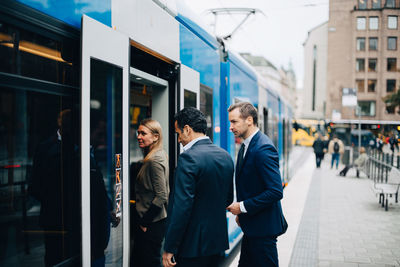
(55, 184)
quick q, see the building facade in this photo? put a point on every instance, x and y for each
(281, 80)
(314, 85)
(363, 53)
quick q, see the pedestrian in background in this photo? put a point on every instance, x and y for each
(319, 146)
(152, 191)
(197, 232)
(336, 148)
(258, 190)
(358, 163)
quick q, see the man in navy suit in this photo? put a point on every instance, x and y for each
(196, 224)
(258, 190)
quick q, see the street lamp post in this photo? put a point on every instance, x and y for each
(359, 128)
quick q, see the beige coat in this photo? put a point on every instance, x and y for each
(332, 143)
(152, 187)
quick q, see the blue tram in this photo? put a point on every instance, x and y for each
(107, 64)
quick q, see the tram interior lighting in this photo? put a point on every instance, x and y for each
(32, 48)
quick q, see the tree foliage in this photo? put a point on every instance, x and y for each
(393, 100)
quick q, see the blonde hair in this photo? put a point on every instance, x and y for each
(155, 128)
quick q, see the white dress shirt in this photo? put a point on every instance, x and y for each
(194, 141)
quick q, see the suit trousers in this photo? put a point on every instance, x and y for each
(205, 261)
(147, 245)
(258, 251)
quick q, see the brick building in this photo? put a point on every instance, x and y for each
(363, 53)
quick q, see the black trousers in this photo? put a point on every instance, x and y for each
(206, 261)
(258, 252)
(147, 245)
(319, 157)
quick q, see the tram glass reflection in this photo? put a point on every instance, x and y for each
(39, 179)
(106, 147)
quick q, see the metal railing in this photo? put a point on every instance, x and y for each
(379, 165)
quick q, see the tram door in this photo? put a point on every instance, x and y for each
(104, 145)
(190, 88)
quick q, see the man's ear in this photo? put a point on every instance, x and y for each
(249, 120)
(188, 129)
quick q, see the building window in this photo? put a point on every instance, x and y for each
(360, 43)
(392, 43)
(392, 22)
(390, 3)
(371, 86)
(372, 64)
(390, 109)
(362, 4)
(390, 86)
(376, 4)
(373, 43)
(360, 64)
(360, 86)
(367, 108)
(361, 23)
(391, 64)
(373, 23)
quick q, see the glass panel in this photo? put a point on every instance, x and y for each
(390, 3)
(373, 43)
(371, 85)
(360, 44)
(206, 106)
(32, 55)
(372, 64)
(361, 23)
(39, 180)
(376, 4)
(392, 22)
(105, 178)
(392, 43)
(367, 108)
(360, 86)
(373, 23)
(390, 86)
(360, 64)
(362, 4)
(391, 64)
(190, 99)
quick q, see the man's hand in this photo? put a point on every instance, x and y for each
(234, 208)
(167, 259)
(237, 220)
(144, 229)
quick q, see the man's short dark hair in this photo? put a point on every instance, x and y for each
(192, 117)
(246, 110)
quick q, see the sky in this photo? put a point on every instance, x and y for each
(278, 33)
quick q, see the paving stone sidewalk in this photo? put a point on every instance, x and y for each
(350, 227)
(354, 229)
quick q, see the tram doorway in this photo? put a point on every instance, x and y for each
(148, 98)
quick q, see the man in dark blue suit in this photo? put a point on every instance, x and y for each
(196, 224)
(258, 190)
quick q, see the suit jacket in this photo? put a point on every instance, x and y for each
(203, 187)
(259, 186)
(152, 186)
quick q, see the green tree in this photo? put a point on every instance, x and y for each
(393, 100)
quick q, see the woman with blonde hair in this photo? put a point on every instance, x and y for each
(152, 191)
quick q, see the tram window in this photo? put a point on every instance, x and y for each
(39, 179)
(29, 54)
(190, 99)
(206, 106)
